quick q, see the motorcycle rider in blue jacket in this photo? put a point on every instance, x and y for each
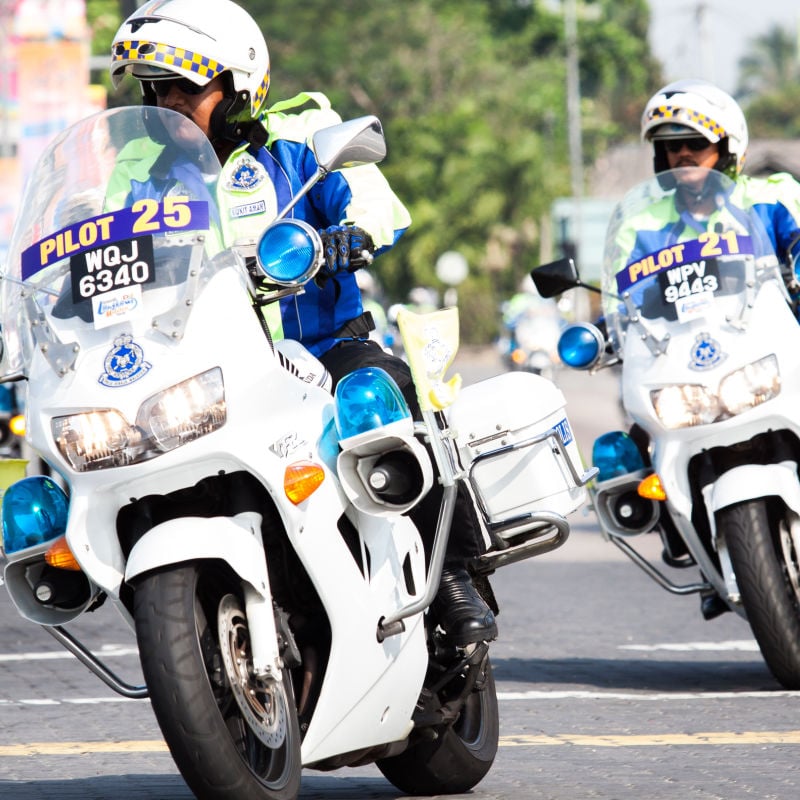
(695, 127)
(209, 61)
(692, 123)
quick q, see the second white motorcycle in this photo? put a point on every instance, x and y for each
(698, 315)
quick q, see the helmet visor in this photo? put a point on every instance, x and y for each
(674, 131)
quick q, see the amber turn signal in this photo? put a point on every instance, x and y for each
(60, 556)
(651, 488)
(301, 480)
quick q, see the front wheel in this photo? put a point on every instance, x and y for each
(460, 754)
(233, 735)
(764, 545)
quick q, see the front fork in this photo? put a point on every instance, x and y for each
(192, 538)
(267, 662)
(749, 482)
(236, 541)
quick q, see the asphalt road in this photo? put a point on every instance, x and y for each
(609, 687)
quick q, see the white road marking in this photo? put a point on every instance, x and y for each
(643, 696)
(65, 701)
(106, 651)
(746, 645)
(741, 645)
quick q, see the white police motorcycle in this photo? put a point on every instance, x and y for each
(247, 523)
(700, 319)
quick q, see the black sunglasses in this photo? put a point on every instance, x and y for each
(183, 85)
(695, 144)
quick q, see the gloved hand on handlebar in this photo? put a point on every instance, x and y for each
(346, 248)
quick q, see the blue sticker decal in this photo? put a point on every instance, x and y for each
(706, 352)
(124, 363)
(564, 431)
(145, 217)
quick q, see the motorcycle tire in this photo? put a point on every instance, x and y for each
(458, 757)
(767, 567)
(228, 742)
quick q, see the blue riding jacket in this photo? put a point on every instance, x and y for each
(255, 184)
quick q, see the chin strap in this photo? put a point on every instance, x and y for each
(226, 125)
(253, 132)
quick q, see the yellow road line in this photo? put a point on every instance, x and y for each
(521, 740)
(78, 748)
(655, 739)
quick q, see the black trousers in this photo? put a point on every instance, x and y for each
(466, 539)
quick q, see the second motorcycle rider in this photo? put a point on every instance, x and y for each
(692, 123)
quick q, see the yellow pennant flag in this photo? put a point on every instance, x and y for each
(431, 343)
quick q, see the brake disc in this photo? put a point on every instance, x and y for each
(262, 701)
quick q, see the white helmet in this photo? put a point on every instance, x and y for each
(691, 107)
(165, 39)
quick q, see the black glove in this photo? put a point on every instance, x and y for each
(346, 248)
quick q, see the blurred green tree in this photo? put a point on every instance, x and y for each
(768, 85)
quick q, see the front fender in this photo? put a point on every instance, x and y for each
(235, 540)
(753, 481)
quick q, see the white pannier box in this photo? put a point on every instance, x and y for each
(515, 440)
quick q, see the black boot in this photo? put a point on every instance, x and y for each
(461, 611)
(712, 605)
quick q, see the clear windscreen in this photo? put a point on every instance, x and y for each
(668, 265)
(118, 226)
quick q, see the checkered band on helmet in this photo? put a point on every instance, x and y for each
(176, 57)
(260, 95)
(711, 129)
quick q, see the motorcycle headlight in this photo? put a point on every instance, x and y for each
(751, 385)
(167, 420)
(95, 439)
(686, 405)
(184, 412)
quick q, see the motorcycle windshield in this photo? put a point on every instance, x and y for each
(118, 226)
(683, 246)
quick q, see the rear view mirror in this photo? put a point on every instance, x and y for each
(350, 144)
(556, 277)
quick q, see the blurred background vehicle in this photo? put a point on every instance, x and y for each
(531, 326)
